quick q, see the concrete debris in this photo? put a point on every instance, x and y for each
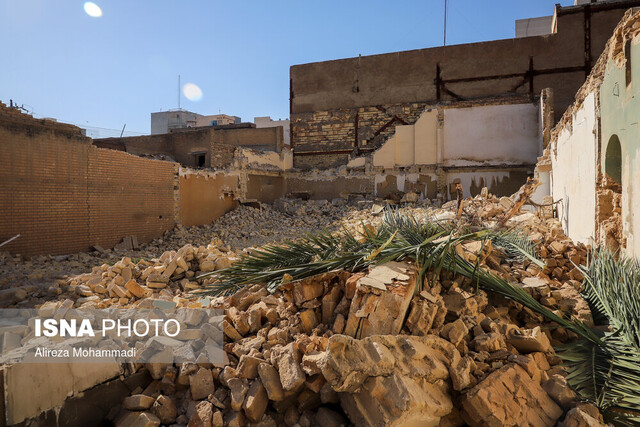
(343, 348)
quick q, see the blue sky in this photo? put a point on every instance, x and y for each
(105, 72)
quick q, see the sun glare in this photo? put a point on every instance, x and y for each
(92, 9)
(192, 92)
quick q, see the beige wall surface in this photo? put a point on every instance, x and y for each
(482, 135)
(494, 134)
(205, 196)
(573, 182)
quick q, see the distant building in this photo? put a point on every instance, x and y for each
(217, 120)
(534, 26)
(166, 121)
(266, 122)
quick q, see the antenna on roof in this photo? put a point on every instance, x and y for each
(178, 91)
(445, 23)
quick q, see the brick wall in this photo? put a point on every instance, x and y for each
(129, 195)
(268, 139)
(62, 195)
(336, 130)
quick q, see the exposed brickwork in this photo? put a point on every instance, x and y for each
(128, 195)
(320, 161)
(62, 195)
(336, 130)
(222, 155)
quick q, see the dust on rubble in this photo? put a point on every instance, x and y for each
(33, 280)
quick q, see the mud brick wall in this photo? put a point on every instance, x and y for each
(62, 195)
(336, 129)
(205, 196)
(222, 156)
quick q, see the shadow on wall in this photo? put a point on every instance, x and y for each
(499, 183)
(613, 159)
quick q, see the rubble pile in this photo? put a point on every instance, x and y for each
(364, 349)
(361, 348)
(28, 279)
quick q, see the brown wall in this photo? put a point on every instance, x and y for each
(179, 145)
(265, 188)
(205, 196)
(270, 139)
(330, 189)
(351, 105)
(268, 187)
(62, 195)
(182, 144)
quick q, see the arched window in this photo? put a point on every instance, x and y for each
(613, 159)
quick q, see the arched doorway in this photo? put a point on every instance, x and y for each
(613, 159)
(609, 200)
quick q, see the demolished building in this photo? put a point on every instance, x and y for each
(321, 350)
(592, 158)
(348, 108)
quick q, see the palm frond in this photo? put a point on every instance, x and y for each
(608, 374)
(612, 288)
(400, 237)
(516, 245)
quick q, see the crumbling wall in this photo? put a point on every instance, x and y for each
(205, 196)
(185, 146)
(246, 158)
(591, 204)
(181, 146)
(619, 113)
(508, 133)
(222, 156)
(574, 172)
(62, 195)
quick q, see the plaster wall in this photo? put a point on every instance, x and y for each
(425, 136)
(489, 134)
(495, 134)
(267, 122)
(269, 160)
(31, 388)
(620, 109)
(385, 156)
(404, 145)
(205, 196)
(573, 180)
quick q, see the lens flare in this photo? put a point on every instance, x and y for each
(92, 9)
(192, 92)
